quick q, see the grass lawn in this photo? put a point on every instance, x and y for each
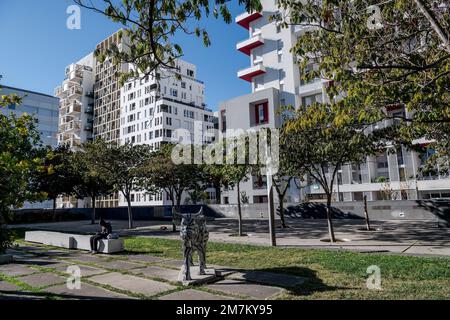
(331, 274)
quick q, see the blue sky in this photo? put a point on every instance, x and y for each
(36, 46)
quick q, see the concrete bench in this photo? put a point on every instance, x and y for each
(82, 242)
(50, 238)
(73, 241)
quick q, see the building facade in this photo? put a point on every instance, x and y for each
(143, 111)
(276, 81)
(45, 109)
(76, 103)
(162, 108)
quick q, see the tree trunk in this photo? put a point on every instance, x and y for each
(280, 200)
(329, 219)
(366, 213)
(178, 198)
(93, 210)
(272, 231)
(54, 209)
(239, 211)
(130, 213)
(218, 194)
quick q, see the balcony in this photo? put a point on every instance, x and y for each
(74, 108)
(75, 91)
(247, 45)
(61, 91)
(74, 142)
(253, 71)
(73, 126)
(58, 91)
(245, 18)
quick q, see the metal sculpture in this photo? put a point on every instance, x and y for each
(194, 235)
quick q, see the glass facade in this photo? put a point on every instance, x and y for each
(43, 107)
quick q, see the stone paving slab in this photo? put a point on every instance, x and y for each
(14, 269)
(144, 258)
(41, 261)
(172, 263)
(242, 288)
(221, 270)
(86, 257)
(131, 283)
(197, 278)
(56, 253)
(270, 278)
(191, 294)
(158, 272)
(8, 287)
(42, 279)
(119, 264)
(86, 271)
(86, 291)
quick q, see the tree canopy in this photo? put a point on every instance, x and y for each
(151, 27)
(379, 58)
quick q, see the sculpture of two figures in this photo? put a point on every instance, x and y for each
(194, 237)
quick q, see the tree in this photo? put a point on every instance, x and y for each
(378, 58)
(90, 183)
(151, 27)
(320, 138)
(197, 195)
(282, 180)
(19, 159)
(162, 173)
(235, 174)
(121, 166)
(55, 177)
(215, 175)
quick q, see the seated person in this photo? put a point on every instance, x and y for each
(106, 229)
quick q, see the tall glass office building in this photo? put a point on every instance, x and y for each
(45, 109)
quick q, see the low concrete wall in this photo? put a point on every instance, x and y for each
(378, 210)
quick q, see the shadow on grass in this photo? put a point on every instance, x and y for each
(311, 282)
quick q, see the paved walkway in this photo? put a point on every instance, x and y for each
(41, 272)
(399, 236)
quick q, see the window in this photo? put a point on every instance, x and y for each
(190, 73)
(281, 74)
(279, 45)
(308, 100)
(259, 82)
(261, 113)
(223, 117)
(183, 84)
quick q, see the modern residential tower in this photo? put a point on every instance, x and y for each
(163, 108)
(276, 81)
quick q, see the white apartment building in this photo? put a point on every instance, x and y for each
(275, 80)
(76, 103)
(76, 107)
(148, 110)
(155, 107)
